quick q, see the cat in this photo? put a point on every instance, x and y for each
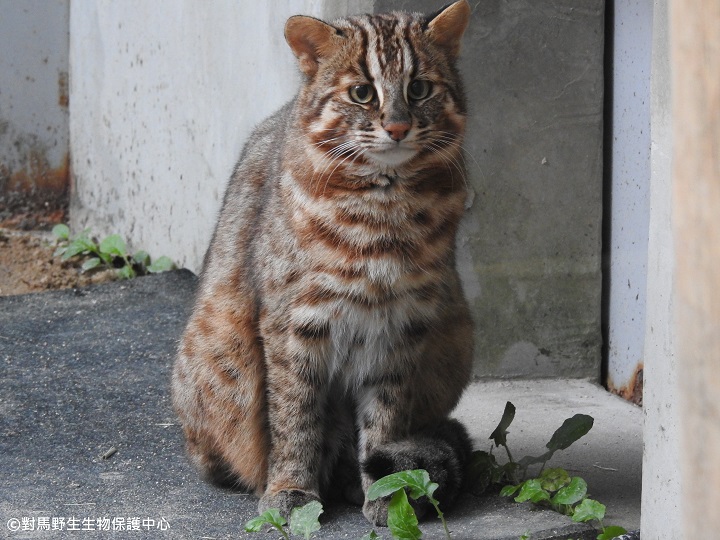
(330, 338)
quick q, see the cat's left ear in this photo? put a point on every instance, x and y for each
(446, 27)
(310, 40)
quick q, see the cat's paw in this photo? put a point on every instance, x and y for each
(285, 500)
(442, 452)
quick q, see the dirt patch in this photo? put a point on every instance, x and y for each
(27, 265)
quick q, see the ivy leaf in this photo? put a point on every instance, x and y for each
(269, 517)
(402, 521)
(417, 481)
(572, 493)
(499, 436)
(61, 231)
(304, 519)
(481, 471)
(162, 264)
(126, 272)
(142, 258)
(509, 491)
(608, 533)
(90, 264)
(114, 245)
(554, 479)
(79, 246)
(587, 510)
(572, 429)
(531, 490)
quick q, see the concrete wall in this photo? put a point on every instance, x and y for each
(34, 137)
(164, 94)
(629, 184)
(530, 243)
(661, 493)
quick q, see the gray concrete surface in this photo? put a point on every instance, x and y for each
(86, 371)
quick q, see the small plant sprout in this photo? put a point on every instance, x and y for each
(554, 488)
(303, 521)
(269, 517)
(402, 521)
(111, 252)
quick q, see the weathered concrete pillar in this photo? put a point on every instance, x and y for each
(661, 485)
(695, 65)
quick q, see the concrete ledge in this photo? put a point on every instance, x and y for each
(87, 371)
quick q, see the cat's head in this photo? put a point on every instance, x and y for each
(382, 92)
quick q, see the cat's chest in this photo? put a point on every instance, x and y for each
(365, 341)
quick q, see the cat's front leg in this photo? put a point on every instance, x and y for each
(392, 441)
(295, 393)
(384, 416)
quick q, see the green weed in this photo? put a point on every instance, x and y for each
(552, 487)
(111, 252)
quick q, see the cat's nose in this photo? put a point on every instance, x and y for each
(397, 130)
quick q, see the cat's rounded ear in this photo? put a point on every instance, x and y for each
(447, 26)
(310, 40)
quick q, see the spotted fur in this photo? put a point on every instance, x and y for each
(330, 327)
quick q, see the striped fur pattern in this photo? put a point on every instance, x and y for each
(330, 328)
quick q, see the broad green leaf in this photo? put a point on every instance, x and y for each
(587, 510)
(509, 491)
(402, 521)
(61, 231)
(90, 264)
(79, 246)
(372, 535)
(268, 517)
(531, 490)
(417, 481)
(114, 245)
(572, 429)
(126, 272)
(142, 258)
(572, 493)
(554, 479)
(162, 264)
(499, 436)
(304, 519)
(608, 533)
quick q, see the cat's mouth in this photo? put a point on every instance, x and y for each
(392, 156)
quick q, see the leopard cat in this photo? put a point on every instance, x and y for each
(330, 338)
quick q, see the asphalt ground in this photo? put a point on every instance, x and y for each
(89, 442)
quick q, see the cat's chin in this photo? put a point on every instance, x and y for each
(393, 157)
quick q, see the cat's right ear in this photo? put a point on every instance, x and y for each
(310, 40)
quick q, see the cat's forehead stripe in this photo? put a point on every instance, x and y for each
(387, 46)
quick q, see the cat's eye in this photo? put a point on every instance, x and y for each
(362, 93)
(419, 89)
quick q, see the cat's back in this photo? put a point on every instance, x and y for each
(251, 185)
